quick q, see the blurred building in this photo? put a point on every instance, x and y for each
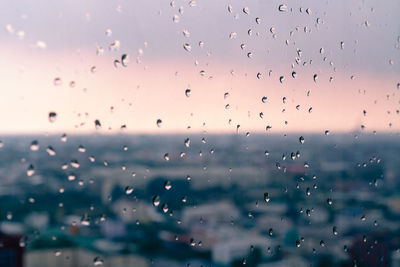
(11, 253)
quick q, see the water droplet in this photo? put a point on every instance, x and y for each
(264, 99)
(258, 20)
(315, 77)
(166, 157)
(266, 197)
(115, 45)
(81, 149)
(50, 150)
(283, 8)
(298, 243)
(74, 163)
(125, 60)
(128, 190)
(187, 142)
(175, 18)
(322, 243)
(327, 132)
(52, 116)
(71, 177)
(97, 124)
(186, 33)
(301, 139)
(341, 45)
(57, 81)
(187, 92)
(34, 145)
(167, 185)
(164, 208)
(187, 47)
(158, 123)
(98, 261)
(30, 170)
(294, 74)
(334, 230)
(23, 241)
(64, 138)
(308, 192)
(281, 79)
(246, 10)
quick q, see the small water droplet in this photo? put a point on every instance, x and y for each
(159, 123)
(334, 230)
(98, 261)
(283, 8)
(64, 138)
(166, 157)
(167, 185)
(156, 201)
(264, 99)
(125, 60)
(188, 92)
(128, 190)
(165, 207)
(175, 18)
(34, 145)
(266, 197)
(301, 139)
(74, 163)
(52, 116)
(30, 170)
(50, 150)
(187, 142)
(97, 124)
(187, 47)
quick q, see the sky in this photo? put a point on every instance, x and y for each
(321, 65)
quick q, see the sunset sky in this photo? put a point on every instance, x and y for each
(44, 40)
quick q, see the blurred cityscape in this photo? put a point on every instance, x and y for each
(200, 200)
